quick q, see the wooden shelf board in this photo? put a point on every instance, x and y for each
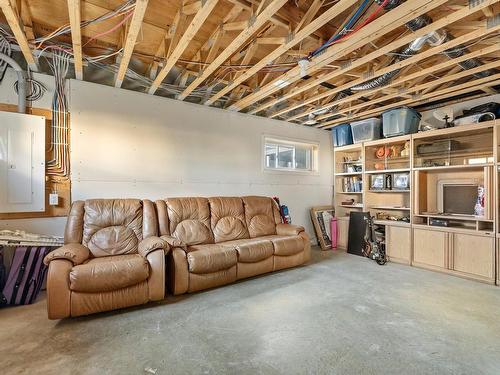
(468, 166)
(390, 208)
(484, 233)
(455, 130)
(351, 206)
(388, 141)
(393, 223)
(389, 191)
(388, 171)
(348, 193)
(456, 217)
(348, 148)
(348, 174)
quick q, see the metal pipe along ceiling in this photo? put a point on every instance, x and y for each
(434, 38)
(21, 78)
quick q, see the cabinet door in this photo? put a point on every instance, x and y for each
(343, 233)
(430, 247)
(398, 243)
(474, 255)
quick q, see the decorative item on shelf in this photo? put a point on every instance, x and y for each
(321, 218)
(401, 181)
(479, 207)
(405, 152)
(352, 168)
(349, 202)
(379, 181)
(385, 216)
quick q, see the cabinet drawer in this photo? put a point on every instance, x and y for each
(430, 247)
(474, 255)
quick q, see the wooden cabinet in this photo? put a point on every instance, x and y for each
(342, 233)
(455, 252)
(398, 243)
(473, 255)
(430, 248)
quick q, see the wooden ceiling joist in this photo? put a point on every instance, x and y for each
(74, 10)
(133, 32)
(17, 29)
(356, 63)
(254, 25)
(373, 31)
(308, 29)
(184, 41)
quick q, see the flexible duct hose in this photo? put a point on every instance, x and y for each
(21, 79)
(434, 38)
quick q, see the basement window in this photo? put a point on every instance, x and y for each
(287, 155)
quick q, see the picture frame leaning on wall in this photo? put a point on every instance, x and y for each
(321, 218)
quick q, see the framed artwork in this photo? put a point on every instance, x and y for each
(321, 218)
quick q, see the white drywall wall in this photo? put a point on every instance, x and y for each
(129, 144)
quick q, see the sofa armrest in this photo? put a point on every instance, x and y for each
(151, 244)
(174, 242)
(289, 229)
(74, 252)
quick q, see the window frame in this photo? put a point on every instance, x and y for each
(274, 140)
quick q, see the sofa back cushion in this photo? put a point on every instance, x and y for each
(227, 218)
(112, 226)
(261, 216)
(189, 220)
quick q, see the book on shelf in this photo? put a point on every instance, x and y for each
(352, 184)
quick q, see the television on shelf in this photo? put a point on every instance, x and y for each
(458, 197)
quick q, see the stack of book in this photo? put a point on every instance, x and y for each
(352, 184)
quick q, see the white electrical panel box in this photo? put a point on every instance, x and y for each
(22, 163)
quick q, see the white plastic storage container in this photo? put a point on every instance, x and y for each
(400, 121)
(366, 130)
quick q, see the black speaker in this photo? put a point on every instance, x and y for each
(357, 230)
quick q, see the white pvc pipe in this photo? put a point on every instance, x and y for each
(21, 82)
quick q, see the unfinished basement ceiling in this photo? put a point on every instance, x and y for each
(314, 62)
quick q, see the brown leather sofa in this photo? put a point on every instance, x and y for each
(112, 258)
(219, 240)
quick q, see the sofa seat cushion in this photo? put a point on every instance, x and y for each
(286, 245)
(109, 273)
(211, 258)
(252, 250)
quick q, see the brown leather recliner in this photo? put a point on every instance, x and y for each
(219, 240)
(112, 258)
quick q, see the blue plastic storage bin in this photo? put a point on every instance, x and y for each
(400, 121)
(342, 135)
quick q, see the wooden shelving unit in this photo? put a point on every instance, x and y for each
(469, 246)
(349, 163)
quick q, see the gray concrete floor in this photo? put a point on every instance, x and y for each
(341, 314)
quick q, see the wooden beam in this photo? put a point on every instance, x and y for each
(311, 12)
(26, 18)
(359, 62)
(133, 32)
(254, 25)
(75, 20)
(323, 19)
(186, 38)
(16, 27)
(373, 31)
